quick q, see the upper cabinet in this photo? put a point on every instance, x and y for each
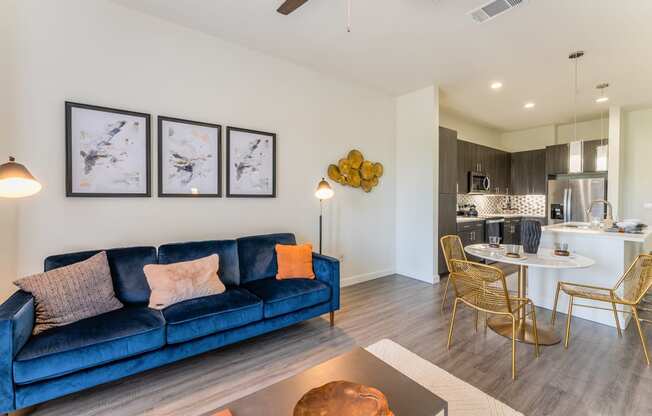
(528, 172)
(447, 161)
(591, 157)
(557, 159)
(473, 157)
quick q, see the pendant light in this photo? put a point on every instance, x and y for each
(602, 151)
(575, 162)
(16, 181)
(348, 15)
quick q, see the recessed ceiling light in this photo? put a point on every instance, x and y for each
(602, 100)
(496, 85)
(529, 105)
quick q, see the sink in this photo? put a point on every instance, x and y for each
(578, 227)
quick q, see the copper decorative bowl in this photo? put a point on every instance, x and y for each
(343, 398)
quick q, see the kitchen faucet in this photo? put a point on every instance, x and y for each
(610, 210)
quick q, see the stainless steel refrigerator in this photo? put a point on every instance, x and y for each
(568, 199)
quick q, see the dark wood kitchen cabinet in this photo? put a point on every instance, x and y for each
(465, 163)
(501, 177)
(447, 223)
(471, 232)
(590, 154)
(557, 159)
(492, 162)
(447, 161)
(528, 172)
(447, 211)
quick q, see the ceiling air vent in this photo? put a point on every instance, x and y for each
(493, 9)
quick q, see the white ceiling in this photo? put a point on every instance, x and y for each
(402, 45)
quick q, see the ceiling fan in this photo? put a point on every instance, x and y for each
(290, 5)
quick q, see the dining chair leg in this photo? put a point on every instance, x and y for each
(568, 321)
(513, 348)
(613, 306)
(450, 330)
(641, 334)
(554, 309)
(477, 316)
(443, 299)
(536, 334)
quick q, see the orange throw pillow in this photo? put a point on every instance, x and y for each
(176, 282)
(294, 262)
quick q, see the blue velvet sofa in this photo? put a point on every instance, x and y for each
(104, 348)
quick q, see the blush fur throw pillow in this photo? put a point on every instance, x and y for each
(71, 293)
(176, 282)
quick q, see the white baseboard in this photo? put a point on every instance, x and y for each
(430, 280)
(365, 277)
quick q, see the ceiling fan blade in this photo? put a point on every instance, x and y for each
(290, 5)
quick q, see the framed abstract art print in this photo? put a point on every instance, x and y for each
(250, 163)
(107, 152)
(189, 158)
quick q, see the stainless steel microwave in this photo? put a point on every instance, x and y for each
(479, 183)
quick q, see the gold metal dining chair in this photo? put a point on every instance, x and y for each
(484, 288)
(451, 246)
(633, 284)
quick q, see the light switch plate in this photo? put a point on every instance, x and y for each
(647, 205)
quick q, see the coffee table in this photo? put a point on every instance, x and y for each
(406, 397)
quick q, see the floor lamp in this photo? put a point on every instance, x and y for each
(16, 181)
(324, 191)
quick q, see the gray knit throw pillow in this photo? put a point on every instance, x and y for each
(70, 293)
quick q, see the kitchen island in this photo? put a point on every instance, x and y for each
(612, 252)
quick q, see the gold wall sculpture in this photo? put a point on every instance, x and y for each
(355, 171)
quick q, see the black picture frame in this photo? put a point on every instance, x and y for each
(69, 106)
(160, 120)
(229, 194)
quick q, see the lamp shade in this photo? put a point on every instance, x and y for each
(324, 190)
(16, 181)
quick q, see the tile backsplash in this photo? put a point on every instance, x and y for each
(529, 205)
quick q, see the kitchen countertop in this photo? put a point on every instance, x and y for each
(485, 217)
(585, 230)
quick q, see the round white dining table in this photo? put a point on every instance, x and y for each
(544, 258)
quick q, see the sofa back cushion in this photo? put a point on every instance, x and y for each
(126, 264)
(227, 250)
(257, 255)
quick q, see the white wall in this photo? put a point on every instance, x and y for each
(586, 130)
(417, 160)
(469, 130)
(8, 213)
(542, 136)
(103, 54)
(637, 170)
(528, 139)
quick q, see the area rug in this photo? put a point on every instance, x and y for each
(463, 399)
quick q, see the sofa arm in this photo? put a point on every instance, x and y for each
(327, 270)
(16, 324)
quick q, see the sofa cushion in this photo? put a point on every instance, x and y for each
(90, 342)
(227, 250)
(257, 255)
(196, 318)
(285, 296)
(175, 282)
(71, 293)
(126, 266)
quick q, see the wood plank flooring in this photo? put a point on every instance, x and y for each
(600, 374)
